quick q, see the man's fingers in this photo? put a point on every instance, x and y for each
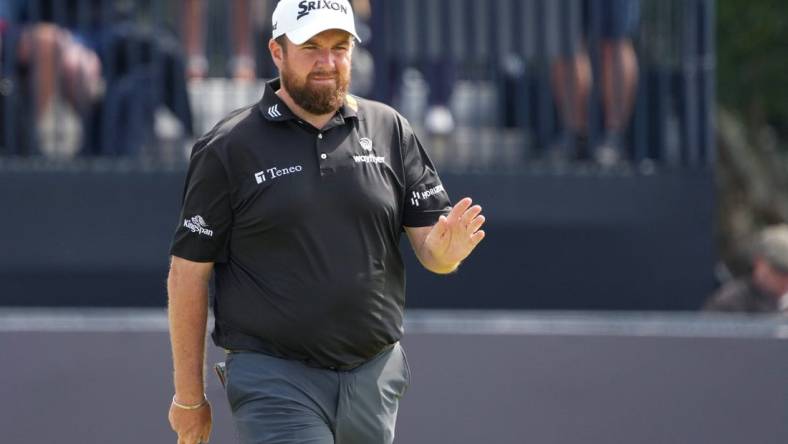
(476, 224)
(190, 437)
(471, 214)
(459, 209)
(188, 440)
(206, 433)
(477, 237)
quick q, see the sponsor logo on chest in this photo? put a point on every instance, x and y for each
(369, 157)
(275, 173)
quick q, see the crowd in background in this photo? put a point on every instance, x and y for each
(143, 78)
(560, 79)
(88, 77)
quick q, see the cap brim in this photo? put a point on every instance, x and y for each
(301, 35)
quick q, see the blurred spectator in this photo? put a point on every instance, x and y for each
(47, 65)
(363, 69)
(142, 65)
(249, 23)
(441, 75)
(420, 66)
(766, 289)
(612, 24)
(241, 65)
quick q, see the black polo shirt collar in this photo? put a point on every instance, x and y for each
(274, 108)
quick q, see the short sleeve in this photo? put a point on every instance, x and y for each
(206, 213)
(426, 199)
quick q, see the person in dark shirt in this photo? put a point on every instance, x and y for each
(296, 205)
(766, 290)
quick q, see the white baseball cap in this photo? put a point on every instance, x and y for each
(303, 19)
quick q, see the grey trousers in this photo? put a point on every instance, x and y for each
(277, 401)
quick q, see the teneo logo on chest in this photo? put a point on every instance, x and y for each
(274, 173)
(305, 7)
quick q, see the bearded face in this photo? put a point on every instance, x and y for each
(321, 91)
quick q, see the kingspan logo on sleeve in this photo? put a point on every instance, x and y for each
(197, 225)
(305, 7)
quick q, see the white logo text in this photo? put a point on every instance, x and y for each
(273, 173)
(369, 159)
(197, 225)
(419, 196)
(305, 7)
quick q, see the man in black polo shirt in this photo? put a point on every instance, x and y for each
(296, 206)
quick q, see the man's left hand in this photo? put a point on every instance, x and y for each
(455, 236)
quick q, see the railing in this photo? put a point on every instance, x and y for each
(507, 54)
(495, 84)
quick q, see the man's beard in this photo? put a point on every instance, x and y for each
(317, 100)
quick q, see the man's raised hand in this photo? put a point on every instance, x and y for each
(455, 236)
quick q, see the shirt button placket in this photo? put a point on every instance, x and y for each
(323, 156)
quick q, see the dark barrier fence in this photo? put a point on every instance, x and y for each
(495, 84)
(620, 241)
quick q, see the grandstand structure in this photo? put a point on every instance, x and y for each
(575, 311)
(89, 224)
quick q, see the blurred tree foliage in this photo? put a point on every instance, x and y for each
(752, 56)
(752, 125)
